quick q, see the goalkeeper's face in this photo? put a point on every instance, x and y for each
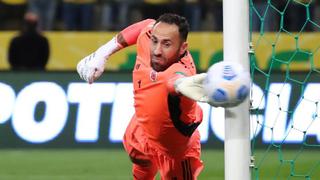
(166, 46)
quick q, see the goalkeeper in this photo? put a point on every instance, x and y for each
(162, 134)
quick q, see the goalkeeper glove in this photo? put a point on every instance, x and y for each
(91, 67)
(192, 87)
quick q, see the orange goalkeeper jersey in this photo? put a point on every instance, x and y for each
(169, 121)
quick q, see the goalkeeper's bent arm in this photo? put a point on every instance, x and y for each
(91, 67)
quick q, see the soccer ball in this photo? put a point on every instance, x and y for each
(227, 84)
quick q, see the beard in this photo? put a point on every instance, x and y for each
(159, 63)
(157, 66)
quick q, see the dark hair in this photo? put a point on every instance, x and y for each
(180, 21)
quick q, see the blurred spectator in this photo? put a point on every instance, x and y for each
(193, 12)
(11, 14)
(316, 15)
(264, 11)
(295, 17)
(117, 14)
(46, 10)
(125, 9)
(108, 14)
(29, 50)
(213, 15)
(78, 14)
(154, 8)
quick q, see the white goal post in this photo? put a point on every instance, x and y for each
(237, 129)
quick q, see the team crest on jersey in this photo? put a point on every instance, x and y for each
(153, 76)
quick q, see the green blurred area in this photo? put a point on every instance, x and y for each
(77, 164)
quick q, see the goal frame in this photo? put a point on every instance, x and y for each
(237, 124)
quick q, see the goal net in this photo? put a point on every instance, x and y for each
(285, 67)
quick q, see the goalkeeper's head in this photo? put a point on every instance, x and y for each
(180, 21)
(168, 41)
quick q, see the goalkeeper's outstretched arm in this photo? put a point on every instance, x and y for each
(91, 67)
(192, 87)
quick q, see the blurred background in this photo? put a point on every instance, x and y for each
(74, 28)
(103, 15)
(55, 126)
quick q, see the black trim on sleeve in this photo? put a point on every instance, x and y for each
(175, 112)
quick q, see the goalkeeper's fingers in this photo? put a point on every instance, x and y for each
(90, 77)
(199, 78)
(195, 80)
(80, 69)
(192, 87)
(94, 75)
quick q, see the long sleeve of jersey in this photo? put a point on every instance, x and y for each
(130, 34)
